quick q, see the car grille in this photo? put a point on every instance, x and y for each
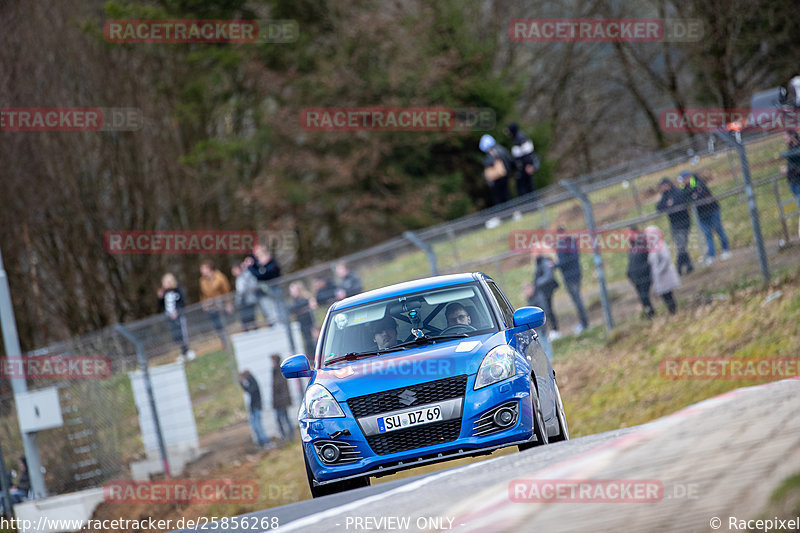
(432, 391)
(416, 437)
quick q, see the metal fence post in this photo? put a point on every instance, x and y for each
(425, 247)
(598, 260)
(751, 202)
(149, 389)
(18, 384)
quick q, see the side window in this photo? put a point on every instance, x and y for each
(505, 308)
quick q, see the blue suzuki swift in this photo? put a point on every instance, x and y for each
(422, 372)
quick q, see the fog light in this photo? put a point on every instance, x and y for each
(504, 417)
(329, 453)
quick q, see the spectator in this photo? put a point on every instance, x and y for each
(246, 295)
(213, 286)
(526, 160)
(263, 266)
(301, 306)
(545, 284)
(708, 213)
(570, 265)
(792, 167)
(325, 291)
(20, 491)
(281, 399)
(349, 282)
(639, 270)
(662, 272)
(496, 168)
(674, 203)
(171, 302)
(250, 385)
(529, 293)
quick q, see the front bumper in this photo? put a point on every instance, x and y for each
(365, 460)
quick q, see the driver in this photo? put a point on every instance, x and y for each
(385, 332)
(457, 314)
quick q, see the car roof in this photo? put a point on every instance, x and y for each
(406, 287)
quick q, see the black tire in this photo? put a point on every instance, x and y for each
(539, 429)
(563, 429)
(332, 488)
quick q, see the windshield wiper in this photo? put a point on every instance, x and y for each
(431, 338)
(352, 356)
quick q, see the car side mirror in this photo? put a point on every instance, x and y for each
(296, 366)
(531, 317)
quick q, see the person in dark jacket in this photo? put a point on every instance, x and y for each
(263, 266)
(639, 270)
(674, 202)
(20, 491)
(324, 291)
(708, 213)
(349, 282)
(497, 166)
(171, 302)
(301, 307)
(570, 265)
(250, 385)
(281, 399)
(522, 150)
(545, 284)
(792, 167)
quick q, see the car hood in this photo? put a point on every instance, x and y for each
(414, 365)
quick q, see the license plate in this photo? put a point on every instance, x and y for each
(409, 419)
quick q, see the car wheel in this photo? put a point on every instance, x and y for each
(563, 430)
(539, 429)
(332, 488)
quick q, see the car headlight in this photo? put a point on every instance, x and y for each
(321, 404)
(496, 366)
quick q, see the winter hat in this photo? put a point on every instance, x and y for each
(487, 142)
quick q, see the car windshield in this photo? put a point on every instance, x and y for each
(400, 322)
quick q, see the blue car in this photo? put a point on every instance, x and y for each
(422, 372)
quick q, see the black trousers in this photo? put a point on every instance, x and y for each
(643, 291)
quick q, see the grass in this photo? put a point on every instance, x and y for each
(614, 203)
(216, 399)
(785, 500)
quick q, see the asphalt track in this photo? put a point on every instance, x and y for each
(718, 459)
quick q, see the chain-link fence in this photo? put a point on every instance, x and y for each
(101, 436)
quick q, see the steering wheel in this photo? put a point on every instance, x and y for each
(457, 328)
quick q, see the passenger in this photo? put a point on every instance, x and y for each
(384, 332)
(457, 314)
